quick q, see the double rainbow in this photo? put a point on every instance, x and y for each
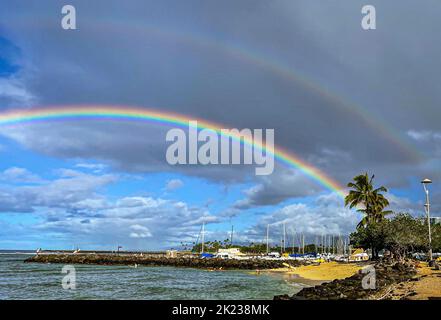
(166, 118)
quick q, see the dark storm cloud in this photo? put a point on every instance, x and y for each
(273, 189)
(184, 57)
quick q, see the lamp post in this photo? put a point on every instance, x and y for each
(425, 182)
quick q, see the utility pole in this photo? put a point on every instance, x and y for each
(427, 209)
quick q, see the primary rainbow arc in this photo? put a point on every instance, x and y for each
(119, 112)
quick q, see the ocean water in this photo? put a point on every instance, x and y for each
(20, 280)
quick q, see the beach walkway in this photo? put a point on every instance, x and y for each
(427, 287)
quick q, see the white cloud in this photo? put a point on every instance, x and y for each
(94, 167)
(325, 216)
(72, 190)
(419, 135)
(14, 92)
(424, 135)
(161, 223)
(174, 184)
(403, 204)
(74, 207)
(139, 231)
(16, 174)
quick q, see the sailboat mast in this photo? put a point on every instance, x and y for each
(267, 239)
(203, 237)
(332, 243)
(303, 243)
(293, 242)
(231, 237)
(284, 237)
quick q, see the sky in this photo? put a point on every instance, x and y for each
(343, 99)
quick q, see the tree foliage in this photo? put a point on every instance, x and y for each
(401, 235)
(369, 200)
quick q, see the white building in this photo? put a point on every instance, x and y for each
(435, 220)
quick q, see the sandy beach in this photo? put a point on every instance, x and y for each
(316, 274)
(427, 287)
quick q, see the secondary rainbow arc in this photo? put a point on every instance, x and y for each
(168, 118)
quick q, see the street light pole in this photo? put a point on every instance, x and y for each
(427, 209)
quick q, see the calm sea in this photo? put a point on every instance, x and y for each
(20, 280)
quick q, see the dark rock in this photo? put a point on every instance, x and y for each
(154, 260)
(387, 273)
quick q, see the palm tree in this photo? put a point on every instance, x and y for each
(377, 207)
(372, 200)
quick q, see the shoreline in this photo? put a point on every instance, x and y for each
(325, 271)
(426, 285)
(301, 272)
(312, 275)
(407, 280)
(404, 280)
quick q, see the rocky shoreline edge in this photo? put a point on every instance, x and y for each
(387, 275)
(146, 260)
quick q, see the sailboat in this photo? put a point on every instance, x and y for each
(270, 255)
(203, 254)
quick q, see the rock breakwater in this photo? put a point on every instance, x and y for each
(190, 262)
